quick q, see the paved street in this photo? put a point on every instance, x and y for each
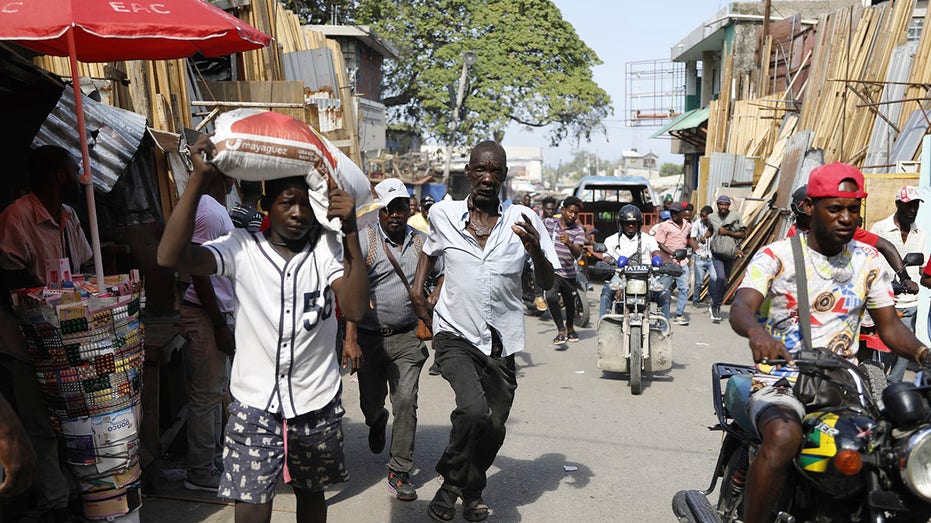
(626, 455)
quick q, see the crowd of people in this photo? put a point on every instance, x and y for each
(268, 292)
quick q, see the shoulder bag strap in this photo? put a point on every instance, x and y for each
(371, 237)
(395, 264)
(801, 280)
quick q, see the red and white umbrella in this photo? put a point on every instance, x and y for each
(113, 30)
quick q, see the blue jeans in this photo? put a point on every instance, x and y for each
(909, 318)
(703, 266)
(723, 269)
(682, 284)
(607, 296)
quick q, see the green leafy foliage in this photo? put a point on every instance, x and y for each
(670, 169)
(532, 68)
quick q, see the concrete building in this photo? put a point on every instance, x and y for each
(364, 52)
(737, 27)
(633, 160)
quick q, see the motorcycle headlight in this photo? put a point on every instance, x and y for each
(913, 466)
(636, 286)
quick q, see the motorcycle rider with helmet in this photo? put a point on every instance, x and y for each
(638, 248)
(845, 278)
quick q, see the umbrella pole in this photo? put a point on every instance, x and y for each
(88, 178)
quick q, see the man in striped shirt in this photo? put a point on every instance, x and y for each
(568, 237)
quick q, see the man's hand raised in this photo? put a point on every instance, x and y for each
(528, 234)
(342, 206)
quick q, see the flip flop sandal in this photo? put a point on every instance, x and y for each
(474, 510)
(443, 506)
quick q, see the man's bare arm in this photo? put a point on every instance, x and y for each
(897, 336)
(744, 322)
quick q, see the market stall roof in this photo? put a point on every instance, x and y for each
(114, 135)
(687, 120)
(690, 127)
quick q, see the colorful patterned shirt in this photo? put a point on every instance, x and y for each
(555, 227)
(840, 289)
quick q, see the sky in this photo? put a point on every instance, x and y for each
(621, 31)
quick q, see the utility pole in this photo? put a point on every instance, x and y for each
(468, 59)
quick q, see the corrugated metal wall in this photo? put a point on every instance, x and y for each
(118, 135)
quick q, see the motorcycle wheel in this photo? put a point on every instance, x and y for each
(876, 378)
(583, 313)
(636, 360)
(730, 503)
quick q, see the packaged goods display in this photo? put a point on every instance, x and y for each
(86, 341)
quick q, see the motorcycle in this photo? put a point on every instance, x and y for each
(864, 455)
(633, 337)
(872, 348)
(529, 293)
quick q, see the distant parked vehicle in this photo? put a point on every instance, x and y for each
(602, 197)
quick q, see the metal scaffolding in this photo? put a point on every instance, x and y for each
(655, 92)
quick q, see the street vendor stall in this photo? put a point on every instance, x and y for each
(86, 345)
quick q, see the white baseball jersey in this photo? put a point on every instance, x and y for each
(285, 321)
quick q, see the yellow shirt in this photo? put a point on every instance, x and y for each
(418, 222)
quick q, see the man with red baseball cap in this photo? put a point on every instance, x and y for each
(840, 271)
(902, 232)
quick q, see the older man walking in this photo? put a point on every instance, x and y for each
(478, 320)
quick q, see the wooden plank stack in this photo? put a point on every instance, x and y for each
(827, 86)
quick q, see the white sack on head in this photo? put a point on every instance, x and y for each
(260, 145)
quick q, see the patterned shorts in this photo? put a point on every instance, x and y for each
(772, 395)
(254, 451)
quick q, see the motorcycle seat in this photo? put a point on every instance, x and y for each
(736, 396)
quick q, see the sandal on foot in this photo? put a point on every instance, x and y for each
(560, 339)
(443, 506)
(474, 509)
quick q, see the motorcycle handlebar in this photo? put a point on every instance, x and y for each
(818, 358)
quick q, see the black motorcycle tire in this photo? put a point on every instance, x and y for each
(636, 360)
(730, 504)
(583, 313)
(876, 378)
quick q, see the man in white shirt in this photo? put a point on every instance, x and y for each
(701, 249)
(478, 321)
(904, 234)
(630, 243)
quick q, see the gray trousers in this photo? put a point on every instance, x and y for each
(392, 364)
(208, 386)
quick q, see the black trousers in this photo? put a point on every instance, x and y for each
(484, 387)
(566, 288)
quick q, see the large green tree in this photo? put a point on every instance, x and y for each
(532, 68)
